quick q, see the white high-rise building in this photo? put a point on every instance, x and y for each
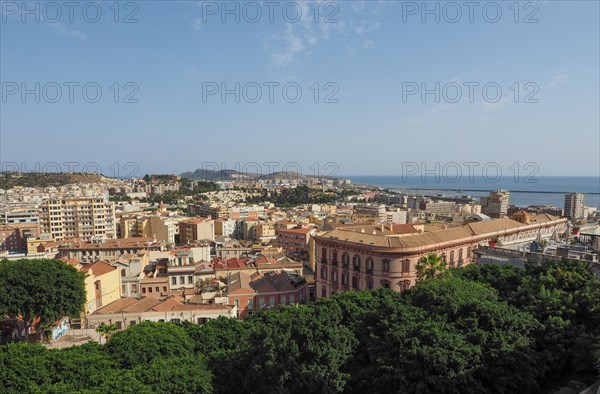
(574, 205)
(80, 217)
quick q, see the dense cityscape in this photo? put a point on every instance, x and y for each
(300, 196)
(230, 249)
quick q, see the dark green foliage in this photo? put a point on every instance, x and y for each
(291, 197)
(180, 375)
(479, 329)
(143, 343)
(44, 289)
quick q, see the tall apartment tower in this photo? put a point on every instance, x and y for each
(79, 217)
(496, 204)
(574, 205)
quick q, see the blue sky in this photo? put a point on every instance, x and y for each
(369, 52)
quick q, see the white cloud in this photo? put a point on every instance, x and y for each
(559, 79)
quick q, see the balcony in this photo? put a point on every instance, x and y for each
(324, 261)
(334, 263)
(356, 268)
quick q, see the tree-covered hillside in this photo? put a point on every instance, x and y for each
(478, 329)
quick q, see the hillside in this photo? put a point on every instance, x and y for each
(9, 180)
(230, 175)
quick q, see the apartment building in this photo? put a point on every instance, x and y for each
(82, 218)
(496, 204)
(295, 240)
(196, 229)
(10, 239)
(162, 228)
(225, 227)
(574, 206)
(438, 207)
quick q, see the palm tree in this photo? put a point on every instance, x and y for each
(106, 330)
(430, 266)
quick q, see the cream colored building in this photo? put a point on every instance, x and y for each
(82, 218)
(102, 285)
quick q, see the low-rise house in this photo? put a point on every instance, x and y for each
(102, 285)
(106, 250)
(131, 267)
(250, 292)
(130, 311)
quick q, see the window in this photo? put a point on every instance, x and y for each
(157, 289)
(143, 290)
(175, 320)
(261, 302)
(323, 292)
(250, 303)
(324, 255)
(334, 275)
(132, 323)
(174, 280)
(369, 283)
(385, 284)
(149, 289)
(406, 266)
(344, 278)
(334, 259)
(324, 273)
(452, 257)
(236, 303)
(291, 299)
(369, 263)
(385, 266)
(123, 272)
(469, 253)
(271, 301)
(190, 279)
(202, 320)
(356, 262)
(119, 325)
(345, 259)
(123, 289)
(282, 300)
(134, 288)
(181, 280)
(355, 282)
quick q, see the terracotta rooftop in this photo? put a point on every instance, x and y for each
(436, 236)
(97, 268)
(135, 305)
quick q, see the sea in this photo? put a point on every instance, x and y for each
(541, 190)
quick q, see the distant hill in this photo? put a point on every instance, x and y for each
(212, 175)
(229, 175)
(9, 180)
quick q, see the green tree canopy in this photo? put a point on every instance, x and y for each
(40, 290)
(145, 342)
